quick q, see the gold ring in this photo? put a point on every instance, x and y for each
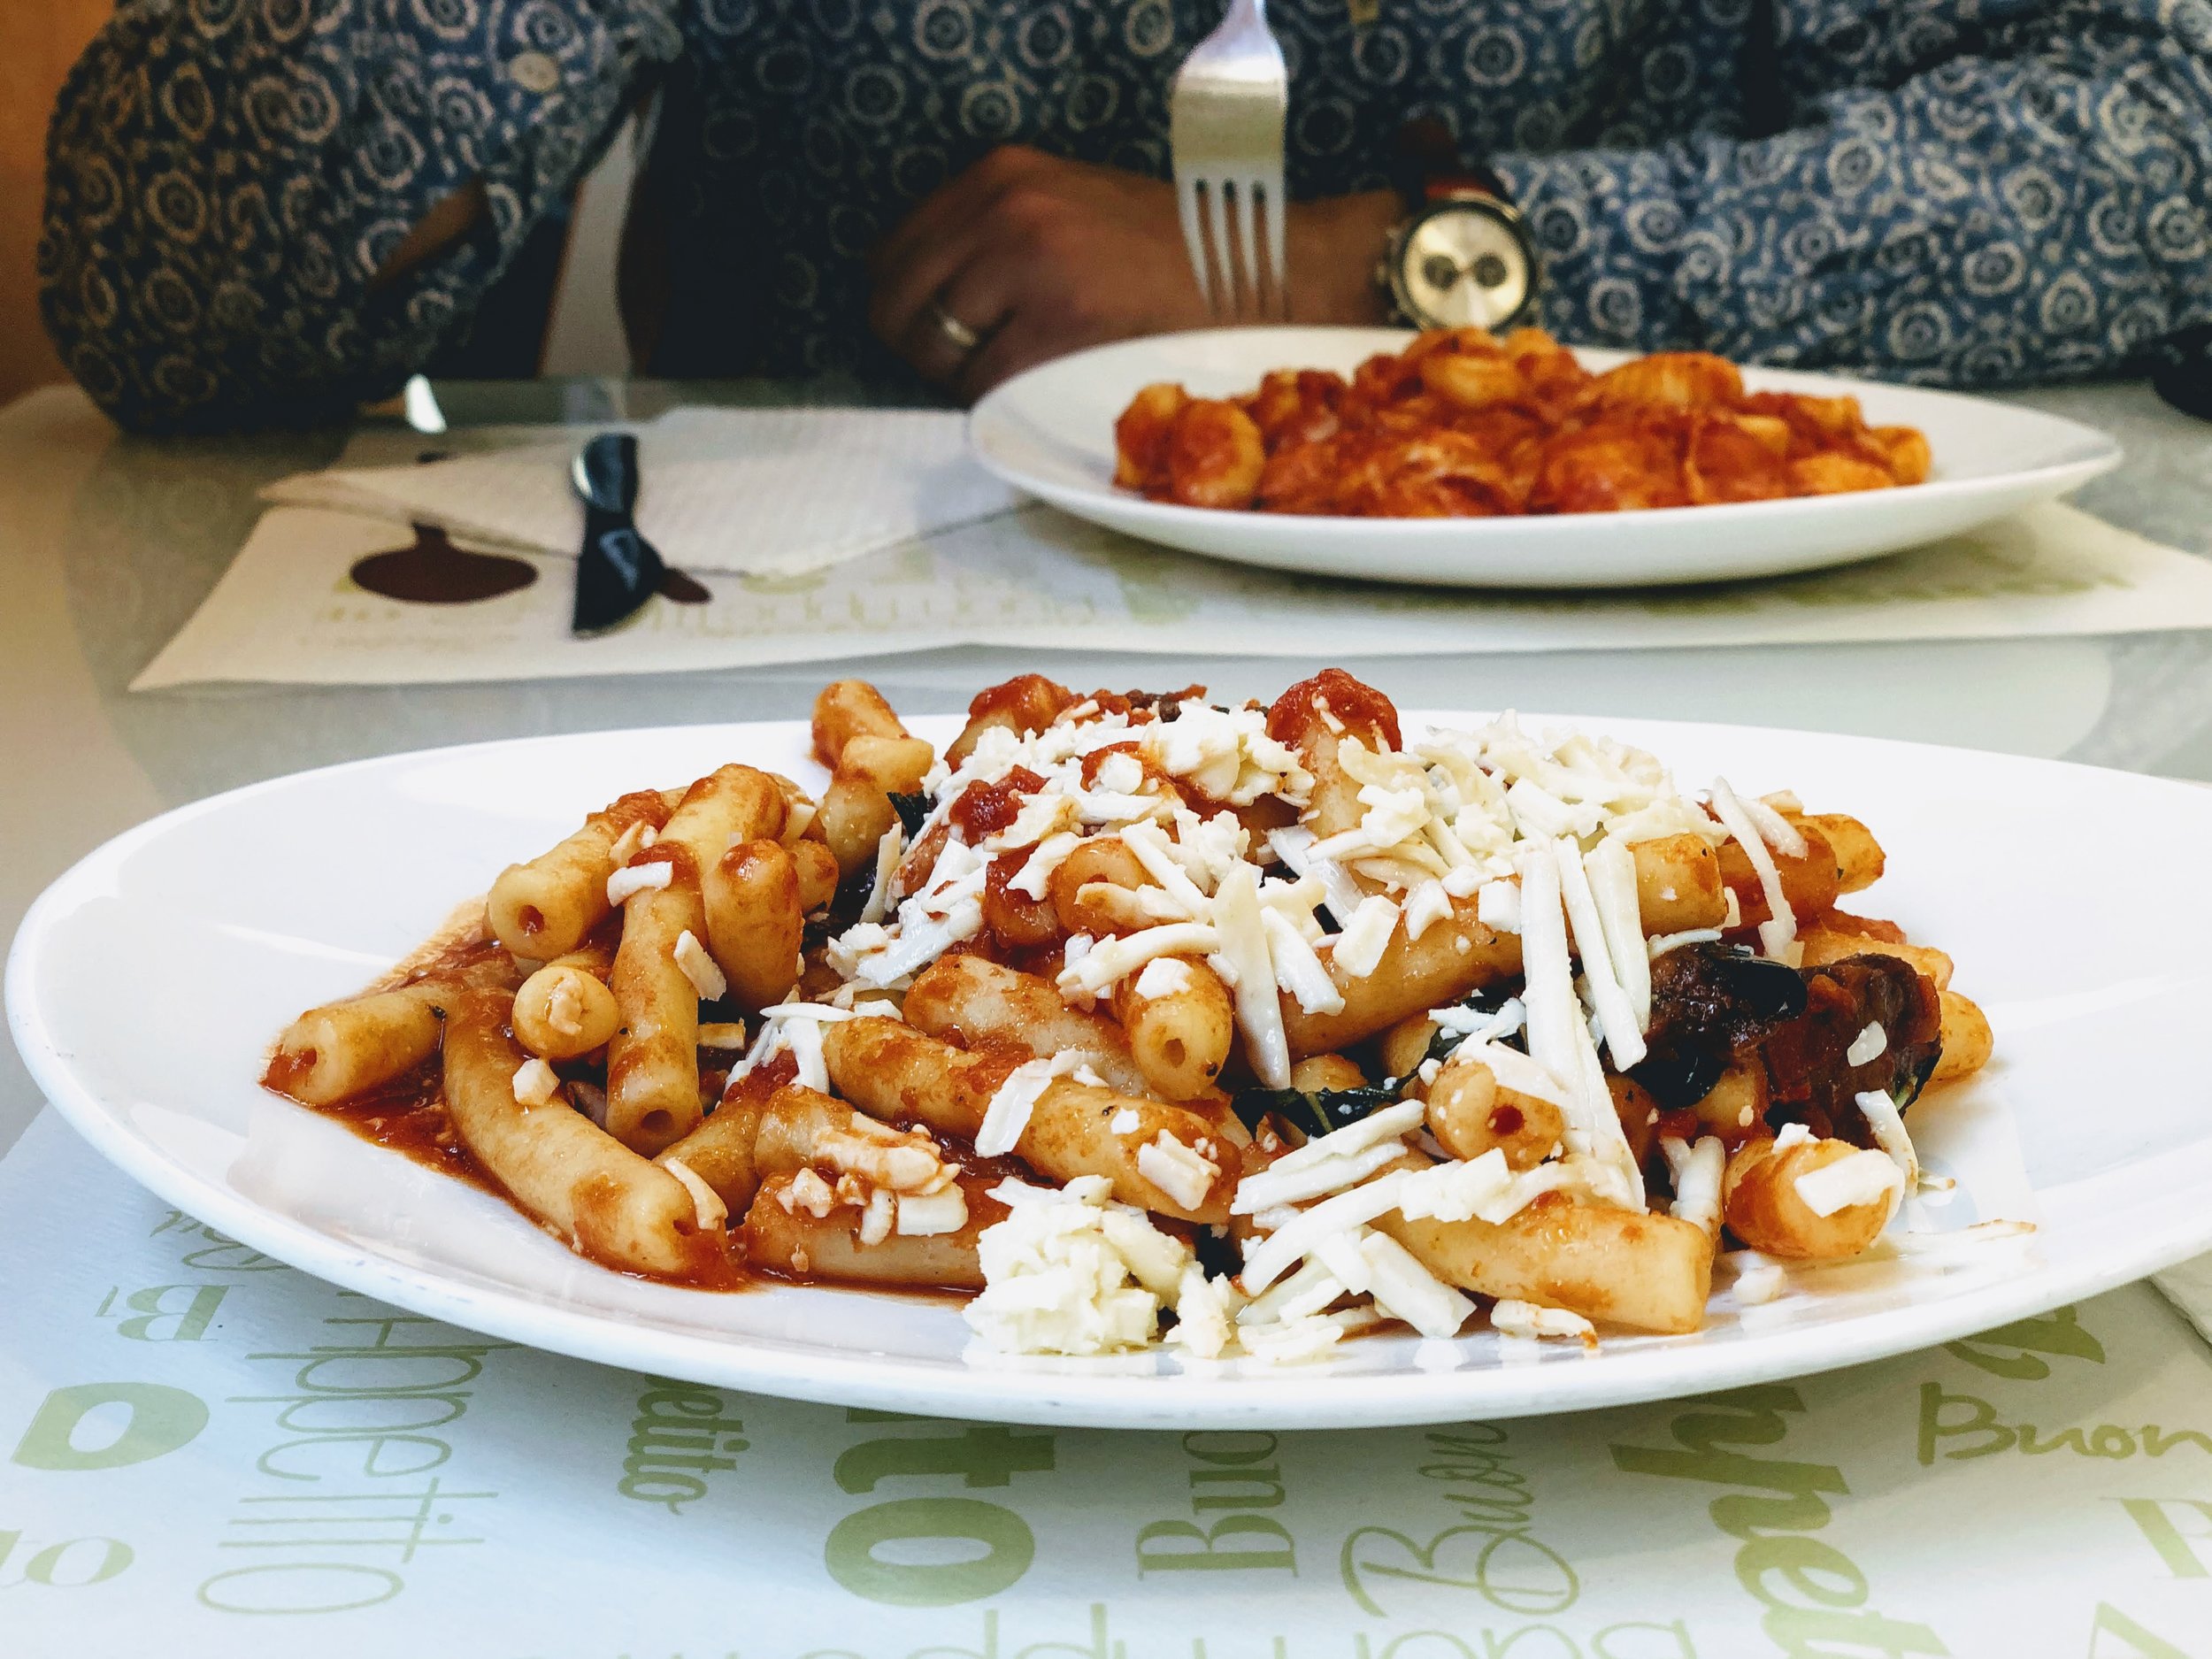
(964, 339)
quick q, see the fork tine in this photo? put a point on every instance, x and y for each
(1254, 202)
(1278, 263)
(1221, 219)
(1187, 189)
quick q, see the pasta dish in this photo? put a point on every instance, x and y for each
(1141, 1020)
(1463, 425)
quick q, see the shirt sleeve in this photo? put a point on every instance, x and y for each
(224, 181)
(2006, 192)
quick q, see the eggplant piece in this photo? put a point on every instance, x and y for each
(1718, 1005)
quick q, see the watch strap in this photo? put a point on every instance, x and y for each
(1426, 168)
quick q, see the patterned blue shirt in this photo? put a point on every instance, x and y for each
(1969, 191)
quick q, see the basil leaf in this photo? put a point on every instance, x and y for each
(912, 810)
(1314, 1113)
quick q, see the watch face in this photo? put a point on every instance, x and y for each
(1463, 265)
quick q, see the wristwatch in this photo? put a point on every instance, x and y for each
(1462, 258)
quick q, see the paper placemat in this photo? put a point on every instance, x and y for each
(210, 1454)
(288, 612)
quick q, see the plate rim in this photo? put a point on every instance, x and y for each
(1284, 1400)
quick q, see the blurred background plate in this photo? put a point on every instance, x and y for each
(1050, 432)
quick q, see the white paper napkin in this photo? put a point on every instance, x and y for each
(752, 491)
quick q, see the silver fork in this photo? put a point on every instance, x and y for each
(1225, 127)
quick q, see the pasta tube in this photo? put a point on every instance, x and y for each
(1649, 1272)
(544, 908)
(1181, 1023)
(977, 1002)
(1093, 889)
(562, 1012)
(1023, 704)
(332, 1053)
(1469, 1113)
(872, 757)
(1452, 957)
(783, 1234)
(754, 920)
(720, 1151)
(1809, 881)
(604, 1199)
(653, 1059)
(1315, 716)
(1678, 884)
(894, 1073)
(1967, 1041)
(1763, 1206)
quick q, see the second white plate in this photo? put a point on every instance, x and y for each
(1050, 432)
(147, 984)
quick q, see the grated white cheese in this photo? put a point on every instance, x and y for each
(1776, 830)
(1155, 853)
(1226, 753)
(1558, 1032)
(1624, 1032)
(1266, 1261)
(1243, 945)
(700, 969)
(1185, 1176)
(890, 848)
(1757, 1285)
(928, 1215)
(707, 1206)
(1611, 869)
(1793, 1135)
(1659, 944)
(637, 879)
(1863, 1177)
(1498, 907)
(1297, 969)
(1294, 1343)
(804, 1039)
(1515, 1318)
(808, 1191)
(1205, 1311)
(631, 841)
(1007, 1116)
(1127, 1121)
(1890, 1134)
(535, 1083)
(1103, 964)
(876, 1216)
(1164, 976)
(1051, 853)
(1697, 1173)
(1376, 1128)
(900, 1161)
(1406, 1290)
(1068, 1271)
(1277, 1185)
(1426, 906)
(1868, 1045)
(1366, 935)
(1778, 935)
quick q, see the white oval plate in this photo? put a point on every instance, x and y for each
(147, 983)
(1050, 432)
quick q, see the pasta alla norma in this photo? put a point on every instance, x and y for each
(1145, 1020)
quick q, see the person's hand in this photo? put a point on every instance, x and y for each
(1037, 256)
